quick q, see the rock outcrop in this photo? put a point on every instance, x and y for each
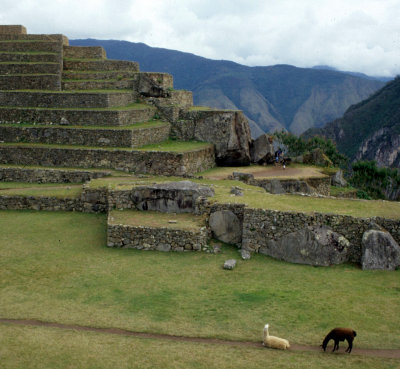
(379, 250)
(262, 150)
(312, 245)
(228, 130)
(225, 226)
(171, 197)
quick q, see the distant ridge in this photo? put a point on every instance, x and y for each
(369, 130)
(273, 98)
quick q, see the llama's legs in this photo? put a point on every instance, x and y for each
(350, 345)
(336, 345)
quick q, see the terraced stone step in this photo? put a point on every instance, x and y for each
(30, 45)
(100, 65)
(197, 158)
(102, 75)
(84, 52)
(69, 85)
(34, 37)
(146, 230)
(133, 136)
(35, 57)
(50, 99)
(13, 173)
(29, 68)
(30, 81)
(124, 116)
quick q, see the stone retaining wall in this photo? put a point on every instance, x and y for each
(34, 58)
(152, 162)
(84, 52)
(98, 85)
(49, 175)
(34, 82)
(103, 65)
(65, 100)
(30, 68)
(29, 46)
(12, 29)
(85, 137)
(40, 203)
(260, 225)
(320, 186)
(76, 117)
(157, 239)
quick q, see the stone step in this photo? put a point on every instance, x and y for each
(128, 115)
(30, 45)
(198, 158)
(30, 57)
(102, 75)
(48, 99)
(84, 52)
(29, 68)
(100, 65)
(34, 37)
(13, 173)
(109, 84)
(132, 136)
(145, 230)
(30, 82)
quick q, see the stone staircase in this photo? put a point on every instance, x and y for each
(65, 106)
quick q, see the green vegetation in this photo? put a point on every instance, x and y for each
(175, 146)
(299, 146)
(40, 190)
(58, 269)
(373, 181)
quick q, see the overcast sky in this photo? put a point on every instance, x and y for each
(351, 35)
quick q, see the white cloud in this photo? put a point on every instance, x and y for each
(358, 35)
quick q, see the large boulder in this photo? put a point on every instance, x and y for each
(228, 130)
(338, 180)
(262, 150)
(379, 250)
(311, 245)
(226, 226)
(170, 197)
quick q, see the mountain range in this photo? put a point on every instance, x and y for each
(369, 130)
(272, 98)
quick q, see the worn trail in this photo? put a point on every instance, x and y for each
(385, 353)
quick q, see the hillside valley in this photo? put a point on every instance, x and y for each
(273, 98)
(369, 130)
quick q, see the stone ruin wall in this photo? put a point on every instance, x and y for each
(157, 239)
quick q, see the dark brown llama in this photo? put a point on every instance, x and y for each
(340, 334)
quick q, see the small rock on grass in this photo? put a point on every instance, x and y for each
(230, 264)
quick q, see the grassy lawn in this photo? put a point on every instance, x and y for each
(167, 146)
(256, 197)
(295, 171)
(44, 189)
(54, 266)
(23, 347)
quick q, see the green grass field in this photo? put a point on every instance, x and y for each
(55, 267)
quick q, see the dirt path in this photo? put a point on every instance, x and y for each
(385, 353)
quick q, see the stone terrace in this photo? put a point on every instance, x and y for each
(64, 97)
